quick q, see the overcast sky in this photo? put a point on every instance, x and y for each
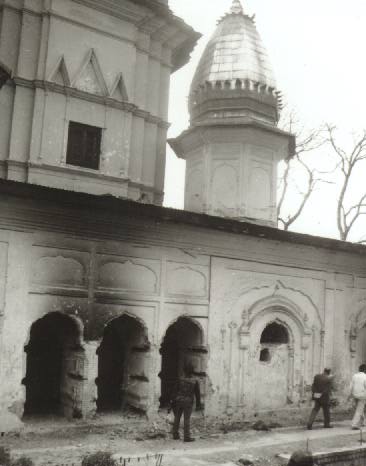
(317, 49)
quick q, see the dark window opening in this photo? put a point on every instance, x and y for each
(265, 355)
(275, 333)
(83, 146)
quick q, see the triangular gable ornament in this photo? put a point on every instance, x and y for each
(60, 74)
(90, 77)
(118, 90)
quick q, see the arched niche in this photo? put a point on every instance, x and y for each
(123, 365)
(274, 365)
(183, 342)
(274, 352)
(55, 367)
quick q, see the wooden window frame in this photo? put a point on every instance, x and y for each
(84, 145)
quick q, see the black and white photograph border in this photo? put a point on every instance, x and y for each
(182, 232)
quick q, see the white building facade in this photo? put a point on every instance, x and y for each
(102, 300)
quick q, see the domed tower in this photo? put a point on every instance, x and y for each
(233, 145)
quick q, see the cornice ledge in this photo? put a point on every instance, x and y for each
(49, 86)
(84, 172)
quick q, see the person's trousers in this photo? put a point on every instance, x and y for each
(358, 417)
(186, 410)
(326, 411)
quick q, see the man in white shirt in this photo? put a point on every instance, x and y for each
(358, 393)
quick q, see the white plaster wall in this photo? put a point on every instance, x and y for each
(54, 49)
(233, 173)
(232, 286)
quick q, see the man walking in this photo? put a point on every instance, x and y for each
(187, 389)
(321, 389)
(358, 393)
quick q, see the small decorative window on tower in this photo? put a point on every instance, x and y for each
(83, 146)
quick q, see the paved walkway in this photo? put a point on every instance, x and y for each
(218, 450)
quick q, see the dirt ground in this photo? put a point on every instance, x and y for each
(55, 441)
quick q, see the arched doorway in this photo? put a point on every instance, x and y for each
(183, 342)
(54, 367)
(123, 366)
(271, 390)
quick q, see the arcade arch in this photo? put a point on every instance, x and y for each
(54, 367)
(123, 365)
(183, 342)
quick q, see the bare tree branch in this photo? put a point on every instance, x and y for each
(307, 141)
(347, 215)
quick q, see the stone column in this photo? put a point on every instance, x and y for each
(230, 389)
(291, 373)
(322, 349)
(244, 344)
(90, 390)
(304, 363)
(353, 348)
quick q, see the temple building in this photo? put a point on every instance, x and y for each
(104, 293)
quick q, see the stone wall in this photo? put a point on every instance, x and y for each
(97, 265)
(344, 457)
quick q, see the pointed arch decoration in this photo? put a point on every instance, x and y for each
(60, 74)
(118, 90)
(90, 77)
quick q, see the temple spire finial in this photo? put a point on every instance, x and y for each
(236, 8)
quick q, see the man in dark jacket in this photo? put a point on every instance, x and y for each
(182, 402)
(321, 388)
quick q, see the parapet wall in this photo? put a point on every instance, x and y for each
(355, 456)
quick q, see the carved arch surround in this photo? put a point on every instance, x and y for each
(299, 349)
(277, 305)
(256, 308)
(295, 302)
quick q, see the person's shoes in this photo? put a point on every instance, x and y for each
(328, 427)
(309, 427)
(189, 439)
(355, 428)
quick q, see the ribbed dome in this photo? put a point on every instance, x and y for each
(235, 51)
